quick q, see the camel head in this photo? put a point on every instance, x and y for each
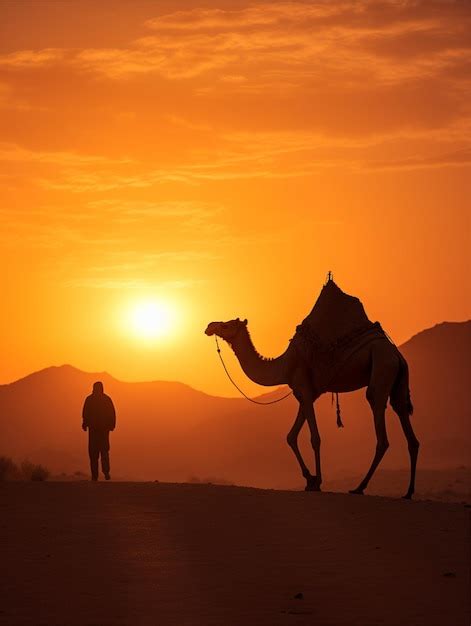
(226, 330)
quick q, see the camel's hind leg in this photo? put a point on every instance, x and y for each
(382, 444)
(413, 445)
(383, 375)
(402, 405)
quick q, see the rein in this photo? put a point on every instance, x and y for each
(238, 388)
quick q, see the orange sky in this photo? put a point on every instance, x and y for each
(223, 157)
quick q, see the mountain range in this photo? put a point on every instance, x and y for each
(168, 431)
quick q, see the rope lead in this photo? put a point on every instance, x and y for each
(218, 349)
(238, 388)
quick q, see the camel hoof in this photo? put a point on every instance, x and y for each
(408, 496)
(357, 491)
(312, 484)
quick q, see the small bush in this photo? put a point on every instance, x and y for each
(27, 470)
(8, 469)
(30, 471)
(40, 473)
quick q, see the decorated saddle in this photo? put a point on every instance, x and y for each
(334, 330)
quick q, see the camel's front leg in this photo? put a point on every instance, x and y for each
(315, 442)
(292, 440)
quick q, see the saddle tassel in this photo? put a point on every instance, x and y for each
(339, 419)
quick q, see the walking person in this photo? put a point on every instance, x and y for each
(99, 417)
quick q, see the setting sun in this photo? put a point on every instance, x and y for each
(152, 319)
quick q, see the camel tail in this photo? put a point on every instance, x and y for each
(400, 393)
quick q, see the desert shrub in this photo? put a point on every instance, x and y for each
(40, 473)
(31, 471)
(8, 469)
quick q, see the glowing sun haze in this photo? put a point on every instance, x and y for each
(167, 164)
(151, 319)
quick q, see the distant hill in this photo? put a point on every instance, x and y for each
(440, 366)
(169, 431)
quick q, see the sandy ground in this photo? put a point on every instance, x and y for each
(168, 554)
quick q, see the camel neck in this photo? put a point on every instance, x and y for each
(262, 371)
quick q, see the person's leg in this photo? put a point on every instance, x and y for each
(105, 455)
(93, 453)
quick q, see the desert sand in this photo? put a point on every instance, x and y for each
(178, 554)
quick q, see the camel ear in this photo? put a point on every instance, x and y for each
(245, 322)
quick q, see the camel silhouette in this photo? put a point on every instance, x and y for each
(376, 364)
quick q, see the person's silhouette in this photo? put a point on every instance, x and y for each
(99, 417)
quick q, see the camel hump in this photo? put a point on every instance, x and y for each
(335, 314)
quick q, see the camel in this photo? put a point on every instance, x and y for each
(378, 366)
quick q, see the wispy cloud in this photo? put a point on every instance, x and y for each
(285, 41)
(140, 284)
(343, 69)
(266, 91)
(143, 242)
(32, 58)
(15, 153)
(458, 158)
